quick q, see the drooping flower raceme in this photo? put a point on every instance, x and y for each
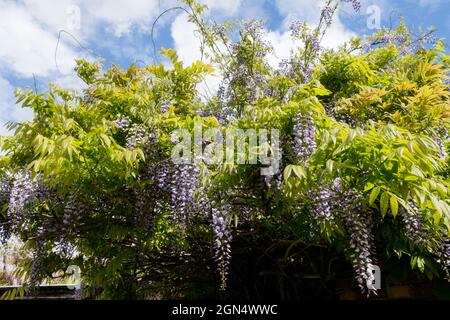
(22, 194)
(444, 256)
(358, 224)
(322, 203)
(5, 193)
(356, 4)
(443, 152)
(184, 183)
(345, 206)
(180, 181)
(304, 138)
(222, 241)
(327, 14)
(415, 230)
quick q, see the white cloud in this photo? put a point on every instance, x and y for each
(226, 7)
(187, 45)
(121, 15)
(185, 41)
(305, 10)
(28, 48)
(337, 34)
(50, 14)
(282, 43)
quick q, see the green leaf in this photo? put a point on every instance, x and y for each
(384, 203)
(374, 195)
(330, 166)
(394, 205)
(368, 186)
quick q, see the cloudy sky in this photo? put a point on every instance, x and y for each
(119, 32)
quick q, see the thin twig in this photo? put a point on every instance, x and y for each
(76, 40)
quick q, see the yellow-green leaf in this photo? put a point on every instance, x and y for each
(394, 205)
(384, 203)
(374, 195)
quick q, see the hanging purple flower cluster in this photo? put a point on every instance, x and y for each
(138, 136)
(165, 106)
(5, 194)
(296, 28)
(37, 273)
(270, 182)
(222, 240)
(357, 222)
(304, 138)
(219, 30)
(242, 84)
(123, 123)
(184, 182)
(443, 151)
(444, 256)
(322, 203)
(327, 14)
(22, 194)
(402, 40)
(303, 66)
(314, 45)
(346, 207)
(5, 190)
(293, 69)
(356, 4)
(415, 230)
(344, 117)
(180, 181)
(72, 212)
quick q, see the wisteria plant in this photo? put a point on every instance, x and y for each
(363, 161)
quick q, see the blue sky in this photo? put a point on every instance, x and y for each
(119, 32)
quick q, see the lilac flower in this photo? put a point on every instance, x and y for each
(165, 106)
(184, 183)
(356, 4)
(296, 28)
(358, 224)
(5, 194)
(180, 182)
(22, 194)
(73, 211)
(304, 138)
(222, 241)
(444, 256)
(327, 14)
(443, 152)
(138, 136)
(5, 190)
(430, 39)
(36, 274)
(345, 206)
(415, 230)
(321, 203)
(219, 30)
(314, 45)
(253, 27)
(123, 123)
(392, 38)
